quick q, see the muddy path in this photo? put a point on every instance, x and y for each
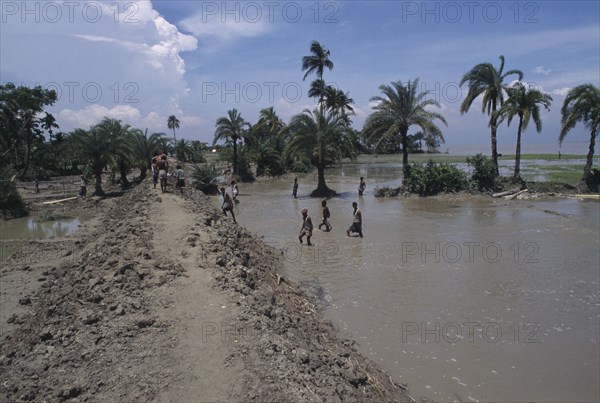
(164, 299)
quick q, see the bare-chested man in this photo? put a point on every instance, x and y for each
(307, 227)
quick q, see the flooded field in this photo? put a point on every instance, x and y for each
(478, 299)
(33, 228)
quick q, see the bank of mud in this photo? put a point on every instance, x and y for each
(97, 316)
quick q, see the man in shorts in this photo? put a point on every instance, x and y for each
(227, 204)
(307, 227)
(326, 215)
(180, 179)
(163, 168)
(356, 226)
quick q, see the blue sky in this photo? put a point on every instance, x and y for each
(143, 61)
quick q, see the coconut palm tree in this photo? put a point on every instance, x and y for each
(338, 101)
(324, 139)
(172, 124)
(525, 103)
(484, 79)
(231, 128)
(401, 107)
(582, 104)
(317, 62)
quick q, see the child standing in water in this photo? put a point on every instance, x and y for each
(307, 227)
(326, 215)
(295, 189)
(361, 186)
(356, 226)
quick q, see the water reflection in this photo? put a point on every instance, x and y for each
(31, 228)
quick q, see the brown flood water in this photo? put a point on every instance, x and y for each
(464, 300)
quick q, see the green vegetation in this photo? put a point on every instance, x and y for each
(488, 82)
(484, 172)
(433, 178)
(524, 103)
(582, 105)
(401, 107)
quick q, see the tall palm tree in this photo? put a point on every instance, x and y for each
(317, 62)
(324, 139)
(582, 104)
(173, 123)
(484, 79)
(401, 107)
(231, 128)
(525, 103)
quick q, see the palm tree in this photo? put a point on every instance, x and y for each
(317, 62)
(173, 123)
(143, 148)
(231, 128)
(95, 149)
(484, 79)
(337, 100)
(324, 139)
(401, 107)
(183, 150)
(121, 137)
(525, 103)
(582, 104)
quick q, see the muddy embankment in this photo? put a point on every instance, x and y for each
(98, 316)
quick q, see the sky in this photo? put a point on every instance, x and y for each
(141, 61)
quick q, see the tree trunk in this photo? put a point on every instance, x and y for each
(587, 170)
(518, 151)
(143, 173)
(26, 160)
(322, 190)
(494, 142)
(405, 166)
(174, 137)
(98, 185)
(235, 158)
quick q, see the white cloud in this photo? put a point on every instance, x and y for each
(223, 30)
(561, 91)
(126, 65)
(541, 70)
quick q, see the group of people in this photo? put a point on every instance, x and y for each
(307, 226)
(160, 171)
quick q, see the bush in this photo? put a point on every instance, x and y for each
(300, 166)
(204, 178)
(433, 178)
(386, 191)
(484, 172)
(11, 203)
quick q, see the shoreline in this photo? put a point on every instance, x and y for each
(115, 316)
